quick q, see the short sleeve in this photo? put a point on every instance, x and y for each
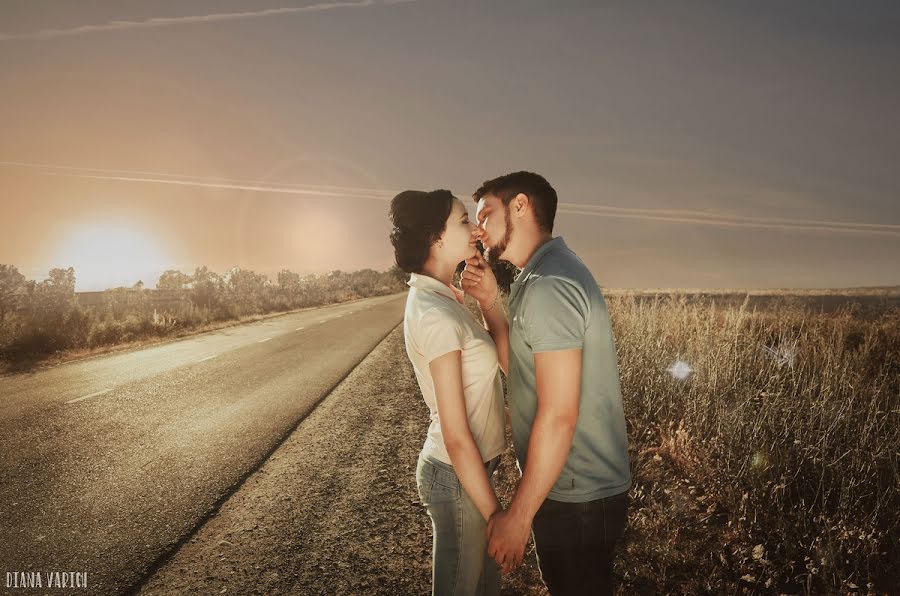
(555, 314)
(439, 332)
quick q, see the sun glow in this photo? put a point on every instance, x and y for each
(317, 238)
(107, 255)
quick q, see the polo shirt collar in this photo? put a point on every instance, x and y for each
(418, 280)
(552, 244)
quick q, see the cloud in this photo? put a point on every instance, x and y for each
(187, 20)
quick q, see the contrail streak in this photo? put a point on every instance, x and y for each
(693, 216)
(677, 216)
(229, 186)
(740, 222)
(187, 20)
(189, 177)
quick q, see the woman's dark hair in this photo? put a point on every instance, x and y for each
(419, 219)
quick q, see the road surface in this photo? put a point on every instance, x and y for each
(108, 462)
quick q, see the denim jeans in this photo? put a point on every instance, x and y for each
(460, 563)
(575, 543)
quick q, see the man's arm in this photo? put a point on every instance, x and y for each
(558, 379)
(554, 317)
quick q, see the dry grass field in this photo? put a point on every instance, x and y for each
(764, 435)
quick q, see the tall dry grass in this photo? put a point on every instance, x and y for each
(789, 418)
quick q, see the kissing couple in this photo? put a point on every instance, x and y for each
(564, 402)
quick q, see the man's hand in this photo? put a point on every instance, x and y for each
(478, 281)
(507, 537)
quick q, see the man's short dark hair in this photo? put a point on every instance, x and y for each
(534, 186)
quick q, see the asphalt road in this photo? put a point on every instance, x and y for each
(107, 463)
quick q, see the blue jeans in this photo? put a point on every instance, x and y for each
(460, 563)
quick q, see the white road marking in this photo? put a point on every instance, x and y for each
(323, 320)
(207, 358)
(72, 401)
(298, 328)
(262, 340)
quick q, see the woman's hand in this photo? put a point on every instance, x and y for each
(479, 282)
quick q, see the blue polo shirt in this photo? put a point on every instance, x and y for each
(555, 304)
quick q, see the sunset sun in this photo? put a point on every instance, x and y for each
(110, 254)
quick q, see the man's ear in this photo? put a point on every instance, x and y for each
(520, 201)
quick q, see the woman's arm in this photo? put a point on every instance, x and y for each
(478, 281)
(498, 326)
(446, 372)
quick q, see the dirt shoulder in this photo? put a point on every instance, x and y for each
(335, 509)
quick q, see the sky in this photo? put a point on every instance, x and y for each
(692, 144)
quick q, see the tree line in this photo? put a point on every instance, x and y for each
(38, 318)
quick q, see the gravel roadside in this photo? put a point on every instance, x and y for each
(335, 509)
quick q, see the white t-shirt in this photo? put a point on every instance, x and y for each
(435, 322)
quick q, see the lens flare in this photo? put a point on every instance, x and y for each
(680, 370)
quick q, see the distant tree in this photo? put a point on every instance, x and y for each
(12, 290)
(52, 298)
(173, 280)
(206, 287)
(288, 281)
(59, 286)
(398, 274)
(139, 285)
(245, 286)
(62, 281)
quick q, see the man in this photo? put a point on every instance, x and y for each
(565, 405)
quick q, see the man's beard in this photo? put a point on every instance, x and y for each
(492, 254)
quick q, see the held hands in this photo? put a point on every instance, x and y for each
(507, 536)
(478, 281)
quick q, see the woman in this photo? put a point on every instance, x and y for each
(457, 368)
